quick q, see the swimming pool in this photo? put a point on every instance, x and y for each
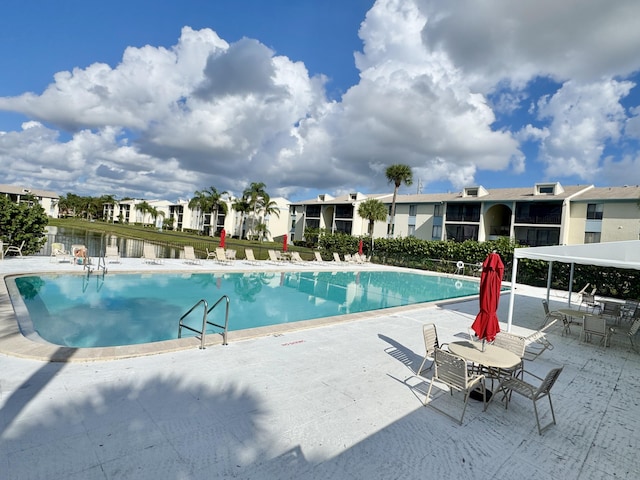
(128, 309)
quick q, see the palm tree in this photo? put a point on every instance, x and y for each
(255, 194)
(374, 211)
(209, 200)
(143, 207)
(397, 174)
(241, 205)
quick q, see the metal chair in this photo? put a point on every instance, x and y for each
(14, 249)
(532, 392)
(555, 315)
(452, 370)
(516, 344)
(596, 325)
(430, 335)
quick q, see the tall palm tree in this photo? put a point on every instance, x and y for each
(397, 174)
(144, 208)
(241, 205)
(374, 211)
(254, 194)
(209, 200)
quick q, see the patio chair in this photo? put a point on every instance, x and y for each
(221, 256)
(318, 257)
(537, 342)
(430, 335)
(611, 310)
(249, 257)
(111, 254)
(14, 249)
(296, 258)
(190, 256)
(589, 302)
(274, 257)
(59, 253)
(555, 315)
(452, 370)
(210, 255)
(596, 325)
(516, 344)
(149, 255)
(629, 310)
(532, 392)
(336, 257)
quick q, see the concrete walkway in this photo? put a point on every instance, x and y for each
(338, 401)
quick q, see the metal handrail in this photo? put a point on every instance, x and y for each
(206, 322)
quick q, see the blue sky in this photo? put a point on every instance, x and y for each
(159, 99)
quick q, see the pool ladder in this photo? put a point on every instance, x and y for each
(205, 321)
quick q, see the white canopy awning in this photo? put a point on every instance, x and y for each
(609, 254)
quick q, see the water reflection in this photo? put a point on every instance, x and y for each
(96, 241)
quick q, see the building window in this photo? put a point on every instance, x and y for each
(437, 210)
(413, 210)
(411, 231)
(594, 211)
(436, 232)
(313, 211)
(591, 237)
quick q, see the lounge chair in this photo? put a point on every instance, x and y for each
(295, 257)
(190, 256)
(250, 257)
(59, 253)
(210, 255)
(274, 257)
(14, 249)
(149, 255)
(318, 257)
(537, 342)
(111, 254)
(221, 256)
(532, 392)
(336, 257)
(452, 370)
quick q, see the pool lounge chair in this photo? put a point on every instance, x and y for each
(296, 258)
(318, 257)
(111, 254)
(59, 253)
(221, 256)
(274, 257)
(249, 257)
(14, 249)
(336, 257)
(149, 255)
(190, 256)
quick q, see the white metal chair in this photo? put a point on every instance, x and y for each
(537, 342)
(190, 256)
(430, 335)
(59, 253)
(149, 255)
(555, 315)
(249, 257)
(596, 325)
(14, 249)
(111, 254)
(516, 344)
(532, 392)
(452, 370)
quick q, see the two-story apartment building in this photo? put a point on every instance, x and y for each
(47, 199)
(544, 214)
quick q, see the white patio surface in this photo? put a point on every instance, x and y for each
(338, 401)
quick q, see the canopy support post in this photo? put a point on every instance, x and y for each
(549, 279)
(571, 283)
(512, 294)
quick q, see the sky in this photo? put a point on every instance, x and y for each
(157, 100)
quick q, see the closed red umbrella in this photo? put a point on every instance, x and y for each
(360, 247)
(284, 243)
(223, 235)
(486, 323)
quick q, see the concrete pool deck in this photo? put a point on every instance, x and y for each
(336, 401)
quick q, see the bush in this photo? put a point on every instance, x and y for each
(25, 221)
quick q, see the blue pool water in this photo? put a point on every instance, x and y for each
(127, 309)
